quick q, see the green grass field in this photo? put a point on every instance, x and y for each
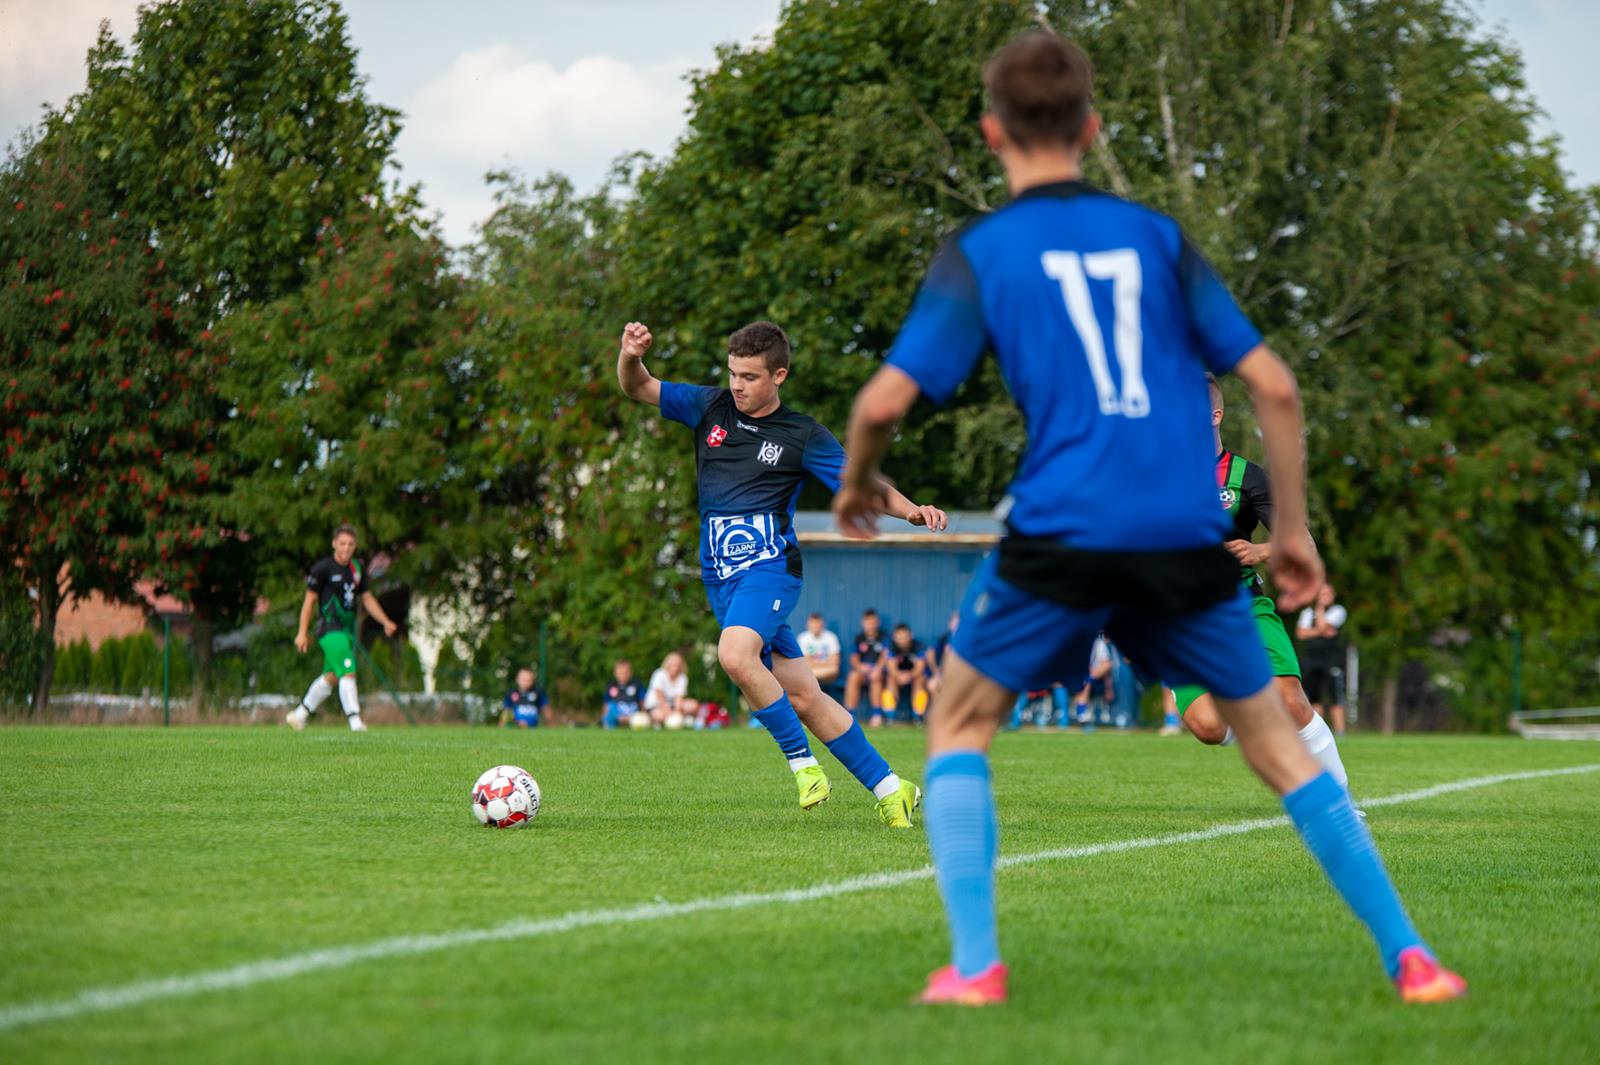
(131, 856)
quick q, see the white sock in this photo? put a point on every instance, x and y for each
(1319, 741)
(347, 697)
(1227, 737)
(797, 764)
(886, 787)
(315, 696)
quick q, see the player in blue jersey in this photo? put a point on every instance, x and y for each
(752, 454)
(1104, 321)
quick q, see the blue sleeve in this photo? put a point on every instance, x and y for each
(824, 458)
(944, 335)
(685, 403)
(1220, 328)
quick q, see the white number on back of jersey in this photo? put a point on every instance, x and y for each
(1121, 267)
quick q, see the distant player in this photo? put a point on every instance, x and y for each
(1318, 632)
(1104, 320)
(752, 454)
(1247, 498)
(334, 587)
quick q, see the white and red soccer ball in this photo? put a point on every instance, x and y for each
(505, 797)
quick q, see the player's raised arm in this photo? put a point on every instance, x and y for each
(1296, 569)
(864, 494)
(636, 381)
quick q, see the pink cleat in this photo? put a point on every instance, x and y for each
(1422, 979)
(988, 988)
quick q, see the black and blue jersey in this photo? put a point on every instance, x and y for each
(749, 473)
(1104, 320)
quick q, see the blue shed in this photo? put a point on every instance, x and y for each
(908, 574)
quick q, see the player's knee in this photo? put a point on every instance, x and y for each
(1209, 729)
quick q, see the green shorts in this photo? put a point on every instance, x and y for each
(339, 652)
(1280, 651)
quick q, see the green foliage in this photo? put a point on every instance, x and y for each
(141, 665)
(21, 643)
(360, 401)
(74, 665)
(597, 530)
(450, 673)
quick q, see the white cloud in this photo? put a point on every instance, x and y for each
(41, 59)
(497, 107)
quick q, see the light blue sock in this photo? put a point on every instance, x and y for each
(964, 838)
(858, 755)
(1337, 838)
(781, 721)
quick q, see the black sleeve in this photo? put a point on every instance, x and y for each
(1257, 492)
(316, 575)
(361, 582)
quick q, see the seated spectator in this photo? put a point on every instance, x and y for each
(624, 696)
(821, 649)
(905, 693)
(1100, 688)
(935, 654)
(524, 705)
(669, 692)
(866, 668)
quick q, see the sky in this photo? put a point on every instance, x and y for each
(568, 85)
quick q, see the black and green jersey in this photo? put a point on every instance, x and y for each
(339, 589)
(1247, 497)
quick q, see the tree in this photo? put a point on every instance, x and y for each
(237, 133)
(591, 530)
(97, 386)
(360, 395)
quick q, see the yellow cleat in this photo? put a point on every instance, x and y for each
(814, 786)
(896, 809)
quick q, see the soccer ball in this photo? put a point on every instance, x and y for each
(505, 797)
(674, 721)
(639, 721)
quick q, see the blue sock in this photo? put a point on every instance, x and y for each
(1337, 838)
(964, 838)
(859, 756)
(780, 720)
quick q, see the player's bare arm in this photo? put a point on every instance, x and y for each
(1296, 567)
(864, 494)
(375, 609)
(637, 382)
(308, 610)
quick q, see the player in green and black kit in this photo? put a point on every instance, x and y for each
(1247, 497)
(334, 587)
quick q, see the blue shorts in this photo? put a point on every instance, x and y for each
(761, 598)
(1025, 643)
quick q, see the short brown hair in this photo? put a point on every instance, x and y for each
(346, 529)
(761, 340)
(1041, 88)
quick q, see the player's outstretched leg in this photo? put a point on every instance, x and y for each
(739, 651)
(1205, 721)
(842, 733)
(1327, 821)
(351, 703)
(963, 832)
(316, 695)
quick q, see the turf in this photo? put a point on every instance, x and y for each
(129, 854)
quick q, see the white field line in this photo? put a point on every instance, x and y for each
(257, 972)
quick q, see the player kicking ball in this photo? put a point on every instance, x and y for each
(333, 588)
(1104, 320)
(1247, 498)
(751, 456)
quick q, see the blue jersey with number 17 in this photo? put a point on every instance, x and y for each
(1104, 320)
